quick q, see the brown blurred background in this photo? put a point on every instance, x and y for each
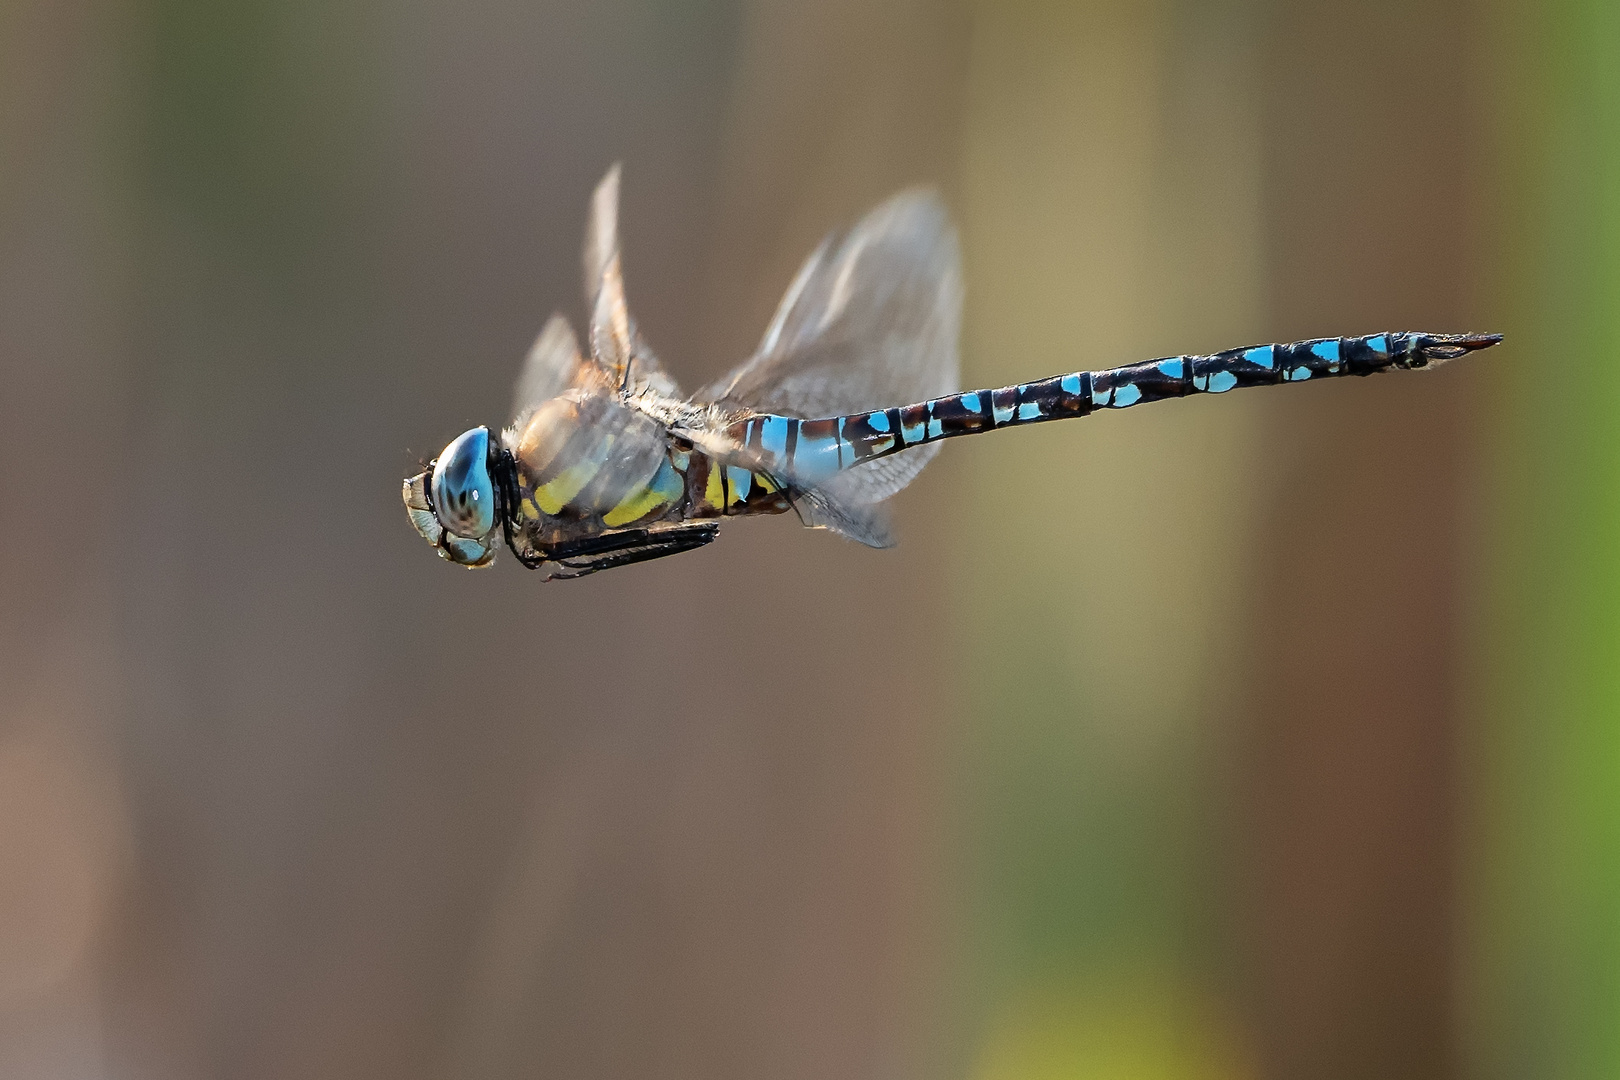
(1266, 736)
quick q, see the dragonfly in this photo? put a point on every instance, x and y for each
(853, 389)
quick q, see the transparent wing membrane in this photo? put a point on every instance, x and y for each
(874, 481)
(615, 344)
(864, 524)
(552, 366)
(601, 232)
(872, 320)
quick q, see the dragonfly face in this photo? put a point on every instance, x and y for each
(453, 505)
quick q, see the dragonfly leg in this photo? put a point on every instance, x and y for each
(600, 545)
(587, 546)
(639, 545)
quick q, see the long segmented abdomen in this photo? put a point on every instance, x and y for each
(812, 451)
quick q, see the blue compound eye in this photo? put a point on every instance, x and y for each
(463, 496)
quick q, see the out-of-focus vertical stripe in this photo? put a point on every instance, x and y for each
(799, 868)
(1110, 202)
(835, 107)
(1544, 977)
(64, 380)
(1350, 793)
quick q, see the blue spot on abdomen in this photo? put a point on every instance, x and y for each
(1129, 394)
(773, 435)
(742, 482)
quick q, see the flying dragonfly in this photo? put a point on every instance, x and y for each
(850, 394)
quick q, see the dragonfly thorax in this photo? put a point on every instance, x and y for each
(587, 462)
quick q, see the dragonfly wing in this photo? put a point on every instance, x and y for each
(614, 343)
(864, 523)
(871, 321)
(601, 231)
(552, 366)
(604, 277)
(874, 481)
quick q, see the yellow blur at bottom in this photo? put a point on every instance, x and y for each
(1139, 1031)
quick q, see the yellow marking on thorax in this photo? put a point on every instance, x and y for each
(557, 492)
(713, 494)
(526, 505)
(634, 507)
(663, 489)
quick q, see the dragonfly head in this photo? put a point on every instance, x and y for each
(452, 504)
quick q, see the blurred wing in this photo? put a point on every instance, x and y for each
(552, 366)
(871, 321)
(604, 277)
(864, 524)
(601, 231)
(874, 481)
(614, 343)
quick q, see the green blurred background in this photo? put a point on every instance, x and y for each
(1268, 736)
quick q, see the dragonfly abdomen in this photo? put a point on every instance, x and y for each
(814, 450)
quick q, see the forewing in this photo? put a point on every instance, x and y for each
(601, 231)
(871, 321)
(552, 366)
(614, 342)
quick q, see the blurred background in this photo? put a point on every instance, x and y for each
(1275, 735)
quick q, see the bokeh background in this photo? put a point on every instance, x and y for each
(1275, 735)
